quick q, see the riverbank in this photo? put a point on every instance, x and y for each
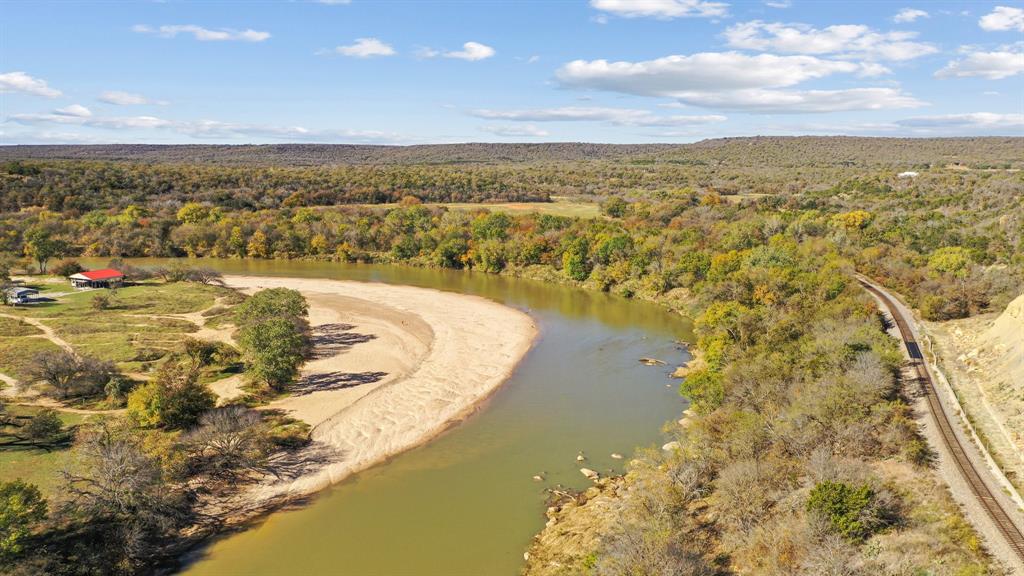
(393, 367)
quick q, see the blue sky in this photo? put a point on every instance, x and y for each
(410, 72)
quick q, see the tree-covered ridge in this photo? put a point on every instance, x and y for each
(96, 178)
(779, 150)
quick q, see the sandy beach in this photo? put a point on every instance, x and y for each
(393, 367)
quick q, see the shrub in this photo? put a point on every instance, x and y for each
(67, 267)
(44, 426)
(21, 506)
(173, 399)
(851, 511)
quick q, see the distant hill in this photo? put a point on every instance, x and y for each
(776, 151)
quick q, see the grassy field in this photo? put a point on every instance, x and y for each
(16, 353)
(560, 207)
(36, 465)
(134, 331)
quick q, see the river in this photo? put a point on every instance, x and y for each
(466, 503)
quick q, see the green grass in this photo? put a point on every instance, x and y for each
(148, 298)
(38, 466)
(10, 327)
(16, 354)
(131, 331)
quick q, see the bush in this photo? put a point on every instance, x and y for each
(44, 426)
(67, 267)
(174, 399)
(851, 511)
(21, 506)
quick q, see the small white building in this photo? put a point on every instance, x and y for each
(907, 174)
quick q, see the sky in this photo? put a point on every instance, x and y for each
(421, 72)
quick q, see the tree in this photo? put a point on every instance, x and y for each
(44, 426)
(68, 374)
(173, 399)
(615, 207)
(21, 506)
(575, 260)
(193, 213)
(257, 246)
(229, 441)
(67, 268)
(41, 247)
(952, 260)
(122, 496)
(273, 349)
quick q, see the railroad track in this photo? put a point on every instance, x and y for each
(992, 505)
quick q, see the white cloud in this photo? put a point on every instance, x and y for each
(731, 80)
(803, 101)
(22, 82)
(780, 4)
(74, 110)
(529, 131)
(110, 122)
(909, 15)
(120, 98)
(203, 34)
(662, 9)
(471, 51)
(976, 121)
(852, 40)
(1003, 18)
(77, 115)
(991, 65)
(709, 71)
(365, 48)
(615, 116)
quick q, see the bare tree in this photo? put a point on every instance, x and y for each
(229, 442)
(68, 374)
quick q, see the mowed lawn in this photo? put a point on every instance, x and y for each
(559, 207)
(134, 331)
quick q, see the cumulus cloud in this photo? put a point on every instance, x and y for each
(74, 110)
(662, 9)
(365, 48)
(991, 65)
(731, 80)
(120, 98)
(709, 71)
(527, 131)
(1002, 19)
(202, 34)
(615, 116)
(22, 82)
(851, 40)
(909, 15)
(471, 51)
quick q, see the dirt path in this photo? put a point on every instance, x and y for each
(48, 332)
(970, 473)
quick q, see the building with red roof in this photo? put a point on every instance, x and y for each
(106, 278)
